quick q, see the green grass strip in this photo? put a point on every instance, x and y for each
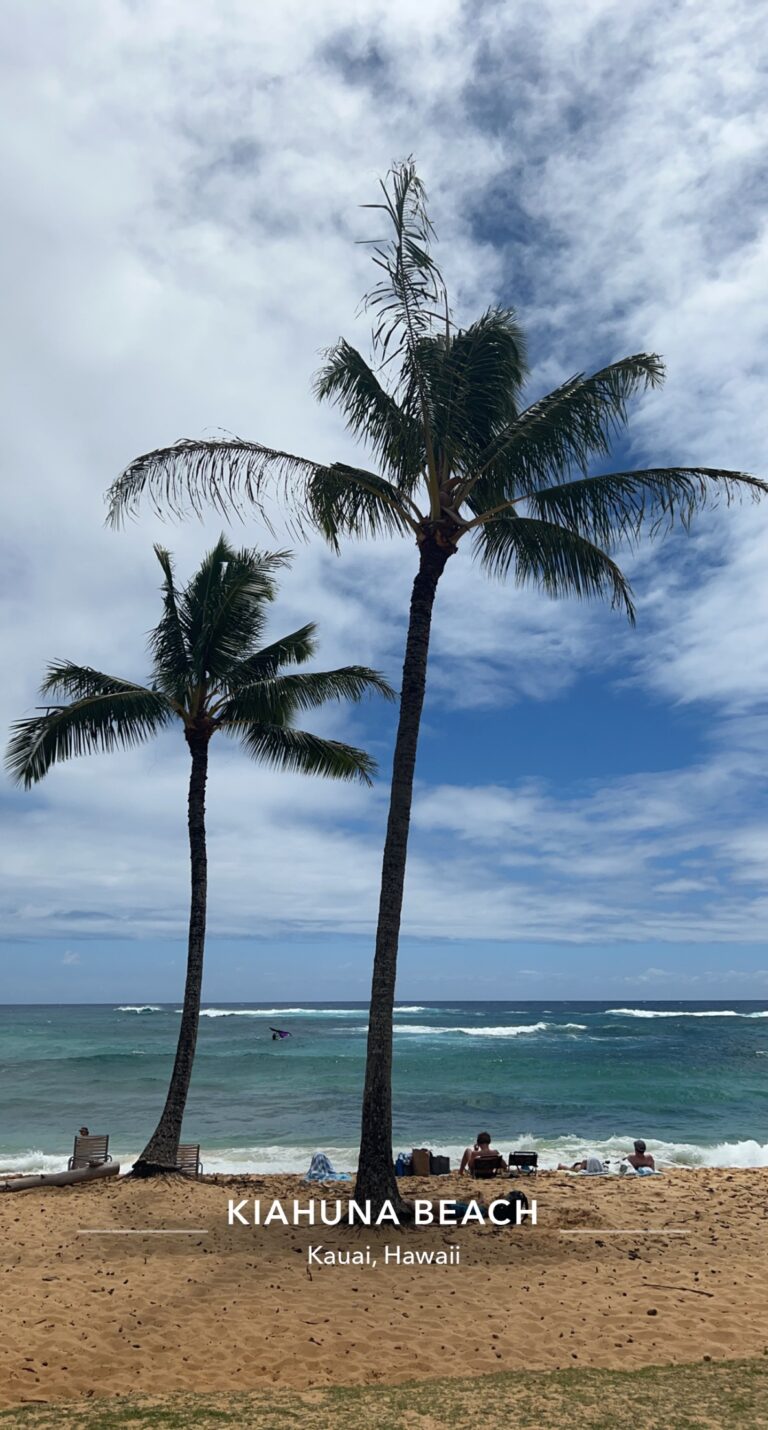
(717, 1394)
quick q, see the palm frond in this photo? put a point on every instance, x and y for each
(222, 607)
(411, 296)
(562, 431)
(230, 475)
(614, 507)
(474, 378)
(170, 656)
(225, 473)
(80, 682)
(115, 715)
(372, 413)
(345, 500)
(411, 293)
(555, 560)
(296, 751)
(293, 649)
(277, 700)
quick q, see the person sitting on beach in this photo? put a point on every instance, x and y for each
(640, 1158)
(468, 1152)
(482, 1148)
(83, 1132)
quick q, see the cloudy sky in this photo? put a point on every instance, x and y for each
(181, 186)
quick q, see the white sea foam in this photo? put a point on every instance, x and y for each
(683, 1013)
(279, 1012)
(256, 1159)
(138, 1008)
(494, 1032)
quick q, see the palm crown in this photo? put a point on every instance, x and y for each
(211, 673)
(458, 452)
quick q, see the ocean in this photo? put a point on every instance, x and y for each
(560, 1078)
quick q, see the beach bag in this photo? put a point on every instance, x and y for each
(513, 1201)
(420, 1161)
(439, 1166)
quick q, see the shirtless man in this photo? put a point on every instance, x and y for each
(641, 1158)
(482, 1148)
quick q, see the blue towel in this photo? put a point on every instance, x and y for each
(321, 1170)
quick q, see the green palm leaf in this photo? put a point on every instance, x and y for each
(613, 507)
(298, 752)
(228, 474)
(563, 430)
(372, 413)
(293, 649)
(474, 378)
(412, 290)
(345, 500)
(223, 608)
(170, 655)
(276, 700)
(558, 561)
(115, 715)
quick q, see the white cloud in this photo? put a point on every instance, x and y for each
(182, 186)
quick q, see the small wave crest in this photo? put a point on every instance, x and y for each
(683, 1013)
(494, 1032)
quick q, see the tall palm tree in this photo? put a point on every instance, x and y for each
(209, 673)
(459, 457)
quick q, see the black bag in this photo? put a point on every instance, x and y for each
(506, 1212)
(439, 1166)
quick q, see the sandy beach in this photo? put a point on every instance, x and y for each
(240, 1307)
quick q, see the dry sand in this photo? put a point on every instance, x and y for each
(238, 1309)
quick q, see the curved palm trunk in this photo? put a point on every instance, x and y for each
(160, 1153)
(376, 1174)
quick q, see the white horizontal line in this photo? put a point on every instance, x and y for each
(625, 1231)
(141, 1231)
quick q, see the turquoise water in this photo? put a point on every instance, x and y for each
(691, 1078)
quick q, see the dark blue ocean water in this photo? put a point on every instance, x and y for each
(692, 1078)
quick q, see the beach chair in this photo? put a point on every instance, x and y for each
(487, 1164)
(89, 1152)
(188, 1159)
(523, 1162)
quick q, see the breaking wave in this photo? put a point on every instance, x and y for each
(252, 1160)
(139, 1008)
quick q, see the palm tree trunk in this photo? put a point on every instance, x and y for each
(161, 1151)
(376, 1174)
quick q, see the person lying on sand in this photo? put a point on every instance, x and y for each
(482, 1148)
(592, 1164)
(640, 1158)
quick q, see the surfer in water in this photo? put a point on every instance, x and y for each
(278, 1033)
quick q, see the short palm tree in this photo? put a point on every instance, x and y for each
(210, 674)
(459, 457)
